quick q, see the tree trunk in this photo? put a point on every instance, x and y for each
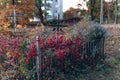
(101, 12)
(92, 5)
(108, 13)
(116, 12)
(41, 14)
(91, 10)
(40, 11)
(92, 2)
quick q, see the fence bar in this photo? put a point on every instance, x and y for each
(38, 58)
(93, 49)
(103, 41)
(89, 49)
(15, 20)
(100, 46)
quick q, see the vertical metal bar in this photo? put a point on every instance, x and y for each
(99, 52)
(94, 45)
(38, 58)
(103, 41)
(93, 48)
(97, 46)
(58, 23)
(100, 46)
(86, 46)
(88, 49)
(14, 19)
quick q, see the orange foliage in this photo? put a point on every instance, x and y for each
(71, 13)
(24, 11)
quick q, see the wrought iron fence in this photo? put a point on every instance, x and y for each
(49, 68)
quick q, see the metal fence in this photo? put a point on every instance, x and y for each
(48, 68)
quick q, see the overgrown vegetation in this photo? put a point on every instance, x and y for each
(104, 69)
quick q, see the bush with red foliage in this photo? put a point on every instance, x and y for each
(58, 53)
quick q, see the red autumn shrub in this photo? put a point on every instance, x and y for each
(58, 51)
(11, 49)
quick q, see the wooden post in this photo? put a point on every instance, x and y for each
(38, 58)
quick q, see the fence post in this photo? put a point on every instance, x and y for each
(103, 42)
(38, 58)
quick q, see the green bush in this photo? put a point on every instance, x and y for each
(97, 32)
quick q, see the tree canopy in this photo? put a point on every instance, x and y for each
(24, 10)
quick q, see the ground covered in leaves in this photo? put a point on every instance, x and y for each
(113, 41)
